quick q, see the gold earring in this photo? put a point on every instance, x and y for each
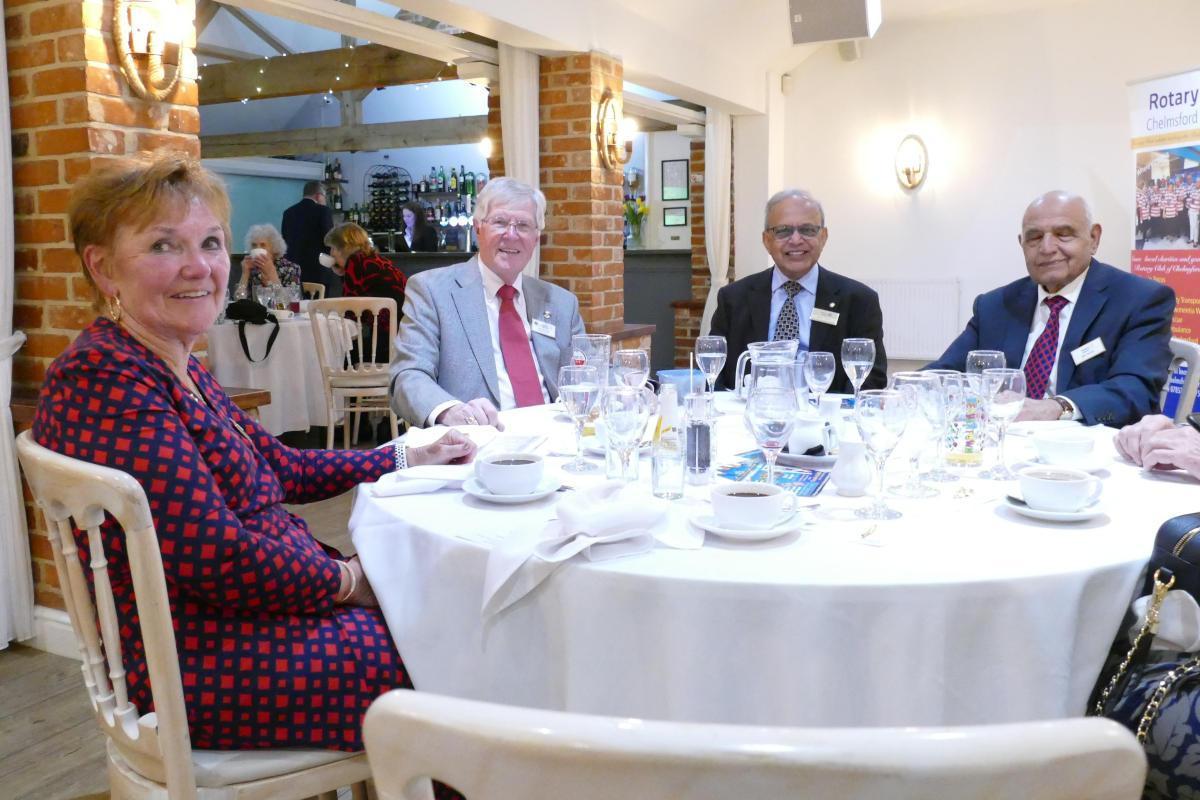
(113, 307)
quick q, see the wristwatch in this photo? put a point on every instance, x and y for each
(1068, 408)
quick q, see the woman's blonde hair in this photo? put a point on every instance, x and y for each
(137, 191)
(349, 238)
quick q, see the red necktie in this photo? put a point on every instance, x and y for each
(517, 352)
(1041, 358)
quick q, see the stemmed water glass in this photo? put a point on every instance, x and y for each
(710, 357)
(626, 410)
(858, 357)
(952, 382)
(579, 388)
(979, 360)
(770, 414)
(631, 367)
(818, 373)
(881, 415)
(926, 402)
(1005, 393)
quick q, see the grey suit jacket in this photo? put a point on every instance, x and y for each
(444, 347)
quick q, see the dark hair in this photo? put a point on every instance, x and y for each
(419, 212)
(313, 188)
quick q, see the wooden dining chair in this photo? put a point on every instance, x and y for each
(312, 290)
(150, 755)
(1185, 352)
(355, 344)
(495, 752)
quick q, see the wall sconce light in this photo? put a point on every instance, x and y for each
(614, 135)
(912, 162)
(155, 30)
(485, 146)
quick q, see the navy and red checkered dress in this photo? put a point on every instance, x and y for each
(267, 659)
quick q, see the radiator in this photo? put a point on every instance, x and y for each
(920, 318)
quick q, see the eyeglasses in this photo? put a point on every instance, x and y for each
(519, 226)
(784, 232)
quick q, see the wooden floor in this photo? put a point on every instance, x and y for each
(50, 746)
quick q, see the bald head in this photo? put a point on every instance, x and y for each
(1059, 238)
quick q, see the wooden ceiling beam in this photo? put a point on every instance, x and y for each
(314, 73)
(273, 41)
(205, 11)
(226, 53)
(380, 136)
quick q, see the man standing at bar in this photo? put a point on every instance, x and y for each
(481, 336)
(798, 298)
(304, 227)
(1094, 340)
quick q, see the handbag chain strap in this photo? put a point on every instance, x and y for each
(1149, 628)
(1184, 670)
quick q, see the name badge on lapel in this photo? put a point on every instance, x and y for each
(1085, 351)
(544, 327)
(824, 316)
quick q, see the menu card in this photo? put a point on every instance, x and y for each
(752, 466)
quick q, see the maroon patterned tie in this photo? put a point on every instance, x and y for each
(517, 352)
(1041, 358)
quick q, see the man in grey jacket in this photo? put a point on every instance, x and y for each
(479, 336)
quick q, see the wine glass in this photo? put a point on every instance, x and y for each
(881, 415)
(770, 414)
(979, 360)
(858, 357)
(626, 410)
(926, 404)
(579, 388)
(951, 381)
(1005, 393)
(710, 357)
(818, 373)
(631, 367)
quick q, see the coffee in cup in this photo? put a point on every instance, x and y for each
(510, 473)
(1054, 488)
(751, 505)
(1065, 448)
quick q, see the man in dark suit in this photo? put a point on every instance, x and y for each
(797, 298)
(304, 227)
(1094, 340)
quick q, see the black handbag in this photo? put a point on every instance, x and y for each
(249, 311)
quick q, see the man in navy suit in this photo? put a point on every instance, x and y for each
(1094, 340)
(798, 298)
(304, 227)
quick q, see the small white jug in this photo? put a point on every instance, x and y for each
(852, 473)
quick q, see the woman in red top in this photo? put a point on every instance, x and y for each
(365, 273)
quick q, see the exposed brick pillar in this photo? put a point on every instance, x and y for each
(582, 248)
(71, 110)
(688, 312)
(495, 133)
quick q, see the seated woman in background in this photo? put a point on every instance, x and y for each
(265, 264)
(419, 235)
(267, 619)
(365, 273)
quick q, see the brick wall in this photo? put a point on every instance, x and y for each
(71, 110)
(688, 312)
(496, 159)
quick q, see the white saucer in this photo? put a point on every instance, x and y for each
(547, 487)
(1082, 515)
(708, 523)
(808, 462)
(1097, 463)
(593, 447)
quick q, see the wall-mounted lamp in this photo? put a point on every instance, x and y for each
(912, 162)
(157, 31)
(485, 146)
(614, 135)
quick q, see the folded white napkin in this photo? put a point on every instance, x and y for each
(481, 435)
(422, 478)
(1178, 622)
(596, 522)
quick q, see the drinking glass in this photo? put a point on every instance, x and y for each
(264, 296)
(881, 415)
(777, 374)
(579, 388)
(799, 382)
(926, 404)
(631, 367)
(979, 360)
(710, 357)
(1005, 393)
(858, 356)
(818, 373)
(593, 350)
(770, 415)
(626, 410)
(951, 381)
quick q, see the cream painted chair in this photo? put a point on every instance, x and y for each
(150, 755)
(1188, 353)
(495, 752)
(312, 290)
(355, 384)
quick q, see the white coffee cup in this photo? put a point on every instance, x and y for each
(1065, 448)
(258, 252)
(1056, 488)
(326, 260)
(510, 473)
(807, 432)
(751, 505)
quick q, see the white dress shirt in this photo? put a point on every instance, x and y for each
(1041, 315)
(805, 300)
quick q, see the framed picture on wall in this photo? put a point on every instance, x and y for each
(674, 217)
(675, 179)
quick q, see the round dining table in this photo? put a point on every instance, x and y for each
(962, 611)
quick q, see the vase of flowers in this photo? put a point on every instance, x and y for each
(635, 214)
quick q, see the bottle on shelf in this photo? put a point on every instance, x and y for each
(423, 187)
(453, 180)
(441, 178)
(469, 184)
(329, 172)
(337, 169)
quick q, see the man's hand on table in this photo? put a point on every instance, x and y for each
(452, 448)
(1046, 409)
(479, 411)
(1155, 443)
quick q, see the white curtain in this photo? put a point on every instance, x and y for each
(16, 580)
(519, 104)
(718, 146)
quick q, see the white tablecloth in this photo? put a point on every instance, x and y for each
(290, 373)
(964, 613)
